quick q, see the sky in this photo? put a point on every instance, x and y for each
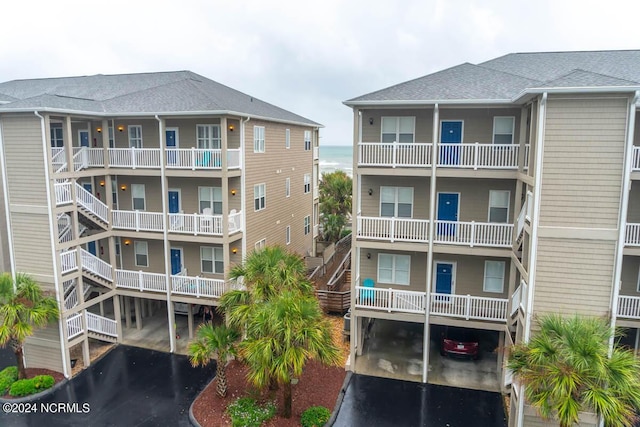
(306, 57)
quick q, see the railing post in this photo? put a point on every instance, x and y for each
(133, 157)
(473, 233)
(193, 158)
(137, 219)
(198, 285)
(389, 301)
(392, 229)
(195, 224)
(394, 153)
(468, 307)
(140, 280)
(476, 147)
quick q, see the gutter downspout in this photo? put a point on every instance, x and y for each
(432, 210)
(243, 177)
(622, 219)
(52, 238)
(5, 189)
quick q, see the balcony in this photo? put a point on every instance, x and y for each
(197, 286)
(199, 158)
(316, 153)
(203, 224)
(402, 155)
(141, 281)
(478, 156)
(393, 229)
(628, 307)
(473, 233)
(632, 236)
(390, 300)
(137, 220)
(635, 162)
(469, 307)
(134, 158)
(519, 298)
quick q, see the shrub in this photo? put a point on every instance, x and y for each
(8, 376)
(31, 385)
(315, 416)
(245, 412)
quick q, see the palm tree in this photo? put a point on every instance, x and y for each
(214, 341)
(566, 369)
(335, 203)
(23, 308)
(282, 335)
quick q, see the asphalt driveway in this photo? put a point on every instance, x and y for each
(380, 402)
(129, 386)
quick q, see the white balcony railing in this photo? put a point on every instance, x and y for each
(632, 236)
(478, 156)
(527, 150)
(134, 158)
(74, 325)
(393, 229)
(473, 233)
(628, 307)
(315, 230)
(390, 300)
(413, 155)
(95, 265)
(635, 165)
(203, 224)
(519, 298)
(201, 158)
(101, 325)
(140, 280)
(469, 307)
(63, 193)
(87, 157)
(197, 286)
(137, 220)
(316, 153)
(92, 203)
(529, 214)
(69, 261)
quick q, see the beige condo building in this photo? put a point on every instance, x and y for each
(485, 195)
(131, 196)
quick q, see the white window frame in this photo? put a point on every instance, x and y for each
(307, 140)
(287, 235)
(136, 140)
(141, 248)
(307, 183)
(307, 224)
(287, 138)
(133, 198)
(258, 196)
(112, 137)
(287, 187)
(397, 126)
(55, 141)
(260, 244)
(502, 207)
(393, 269)
(513, 128)
(484, 280)
(212, 201)
(395, 203)
(217, 257)
(258, 139)
(207, 142)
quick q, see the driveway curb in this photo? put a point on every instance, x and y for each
(35, 396)
(336, 408)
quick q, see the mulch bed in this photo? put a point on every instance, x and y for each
(32, 372)
(319, 385)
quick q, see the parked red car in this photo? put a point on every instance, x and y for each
(460, 342)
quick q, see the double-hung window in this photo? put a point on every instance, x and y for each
(398, 129)
(138, 200)
(499, 206)
(259, 197)
(287, 187)
(307, 183)
(112, 141)
(287, 235)
(208, 137)
(141, 250)
(503, 128)
(210, 197)
(56, 135)
(287, 138)
(493, 276)
(307, 140)
(258, 139)
(211, 259)
(260, 244)
(394, 269)
(396, 202)
(135, 136)
(307, 224)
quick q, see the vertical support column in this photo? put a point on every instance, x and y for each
(136, 303)
(226, 249)
(117, 314)
(102, 308)
(86, 354)
(127, 311)
(190, 321)
(355, 251)
(500, 359)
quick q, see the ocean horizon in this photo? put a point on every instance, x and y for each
(336, 157)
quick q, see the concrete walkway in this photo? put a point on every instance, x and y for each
(130, 386)
(381, 402)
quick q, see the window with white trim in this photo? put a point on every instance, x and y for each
(307, 183)
(141, 251)
(396, 202)
(499, 206)
(112, 140)
(493, 276)
(503, 129)
(398, 129)
(259, 197)
(260, 244)
(287, 187)
(287, 235)
(307, 140)
(211, 260)
(258, 139)
(138, 200)
(56, 135)
(394, 269)
(287, 138)
(307, 224)
(135, 136)
(210, 197)
(208, 137)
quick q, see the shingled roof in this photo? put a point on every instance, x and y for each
(146, 93)
(505, 78)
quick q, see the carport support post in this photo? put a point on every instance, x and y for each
(102, 308)
(190, 321)
(86, 355)
(117, 314)
(360, 328)
(127, 312)
(500, 357)
(136, 305)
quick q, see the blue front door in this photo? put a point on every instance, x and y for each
(174, 201)
(87, 186)
(171, 138)
(450, 133)
(84, 138)
(444, 277)
(176, 261)
(447, 211)
(91, 247)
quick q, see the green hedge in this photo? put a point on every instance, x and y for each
(8, 376)
(31, 385)
(315, 416)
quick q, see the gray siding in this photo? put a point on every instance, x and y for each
(42, 349)
(417, 274)
(474, 196)
(423, 130)
(583, 161)
(478, 123)
(370, 205)
(630, 273)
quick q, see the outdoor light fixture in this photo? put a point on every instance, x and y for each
(368, 255)
(120, 128)
(233, 192)
(231, 128)
(127, 242)
(370, 120)
(234, 250)
(123, 187)
(101, 183)
(99, 130)
(371, 191)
